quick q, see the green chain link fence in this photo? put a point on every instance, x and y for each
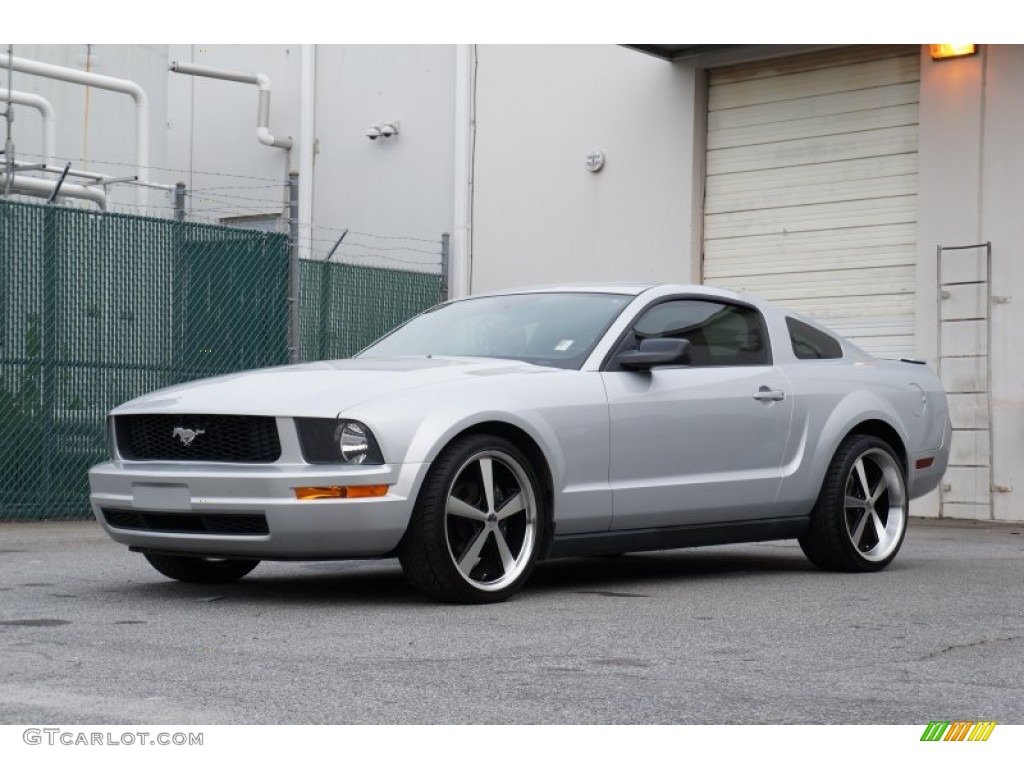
(344, 307)
(98, 308)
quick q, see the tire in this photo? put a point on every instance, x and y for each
(860, 519)
(465, 544)
(201, 570)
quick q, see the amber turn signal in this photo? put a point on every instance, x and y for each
(340, 492)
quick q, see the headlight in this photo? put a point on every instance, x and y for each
(337, 441)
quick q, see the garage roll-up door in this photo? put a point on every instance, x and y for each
(810, 196)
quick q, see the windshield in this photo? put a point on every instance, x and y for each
(555, 329)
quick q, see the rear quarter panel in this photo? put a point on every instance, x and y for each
(833, 397)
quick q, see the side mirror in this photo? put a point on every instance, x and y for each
(655, 352)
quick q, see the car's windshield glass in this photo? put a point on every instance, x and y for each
(555, 329)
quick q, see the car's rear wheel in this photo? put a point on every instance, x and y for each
(201, 570)
(477, 526)
(860, 519)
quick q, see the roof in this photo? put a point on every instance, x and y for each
(626, 289)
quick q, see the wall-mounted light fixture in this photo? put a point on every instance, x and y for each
(952, 50)
(382, 131)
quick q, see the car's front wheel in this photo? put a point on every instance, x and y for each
(476, 529)
(201, 570)
(860, 519)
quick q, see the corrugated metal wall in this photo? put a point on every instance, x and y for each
(810, 196)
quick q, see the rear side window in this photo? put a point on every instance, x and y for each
(811, 344)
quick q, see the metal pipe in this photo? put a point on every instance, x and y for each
(307, 137)
(46, 112)
(116, 84)
(263, 134)
(294, 276)
(27, 185)
(179, 201)
(460, 275)
(445, 264)
(95, 178)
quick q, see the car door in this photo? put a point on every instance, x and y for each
(698, 443)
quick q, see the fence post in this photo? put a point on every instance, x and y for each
(179, 201)
(445, 259)
(293, 267)
(48, 349)
(178, 277)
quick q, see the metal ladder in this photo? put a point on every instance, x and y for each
(965, 330)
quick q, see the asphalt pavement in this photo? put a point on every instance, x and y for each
(89, 633)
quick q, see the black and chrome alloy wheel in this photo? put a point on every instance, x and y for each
(478, 523)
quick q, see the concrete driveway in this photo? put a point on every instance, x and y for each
(737, 634)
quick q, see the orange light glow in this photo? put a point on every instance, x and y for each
(952, 50)
(340, 492)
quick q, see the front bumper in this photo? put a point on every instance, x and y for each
(301, 530)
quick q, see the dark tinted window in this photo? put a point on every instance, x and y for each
(719, 333)
(811, 344)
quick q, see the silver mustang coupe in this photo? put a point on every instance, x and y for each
(496, 431)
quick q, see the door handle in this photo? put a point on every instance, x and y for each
(764, 394)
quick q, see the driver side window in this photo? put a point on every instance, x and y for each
(719, 333)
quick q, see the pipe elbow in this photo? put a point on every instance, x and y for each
(265, 137)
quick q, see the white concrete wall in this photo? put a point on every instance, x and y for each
(538, 215)
(101, 137)
(389, 188)
(1002, 222)
(970, 176)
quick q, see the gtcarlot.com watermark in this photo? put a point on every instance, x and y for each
(59, 736)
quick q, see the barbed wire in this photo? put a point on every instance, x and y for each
(223, 203)
(193, 194)
(308, 239)
(354, 258)
(131, 164)
(240, 186)
(379, 237)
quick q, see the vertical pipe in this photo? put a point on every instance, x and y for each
(307, 137)
(293, 267)
(9, 119)
(179, 276)
(462, 256)
(48, 351)
(179, 201)
(46, 113)
(445, 267)
(324, 329)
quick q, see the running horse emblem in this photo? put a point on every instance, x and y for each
(187, 435)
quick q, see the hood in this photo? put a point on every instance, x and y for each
(321, 389)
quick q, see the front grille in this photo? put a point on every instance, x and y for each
(174, 522)
(197, 437)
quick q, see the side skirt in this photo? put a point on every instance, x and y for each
(676, 537)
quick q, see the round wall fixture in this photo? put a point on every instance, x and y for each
(595, 160)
